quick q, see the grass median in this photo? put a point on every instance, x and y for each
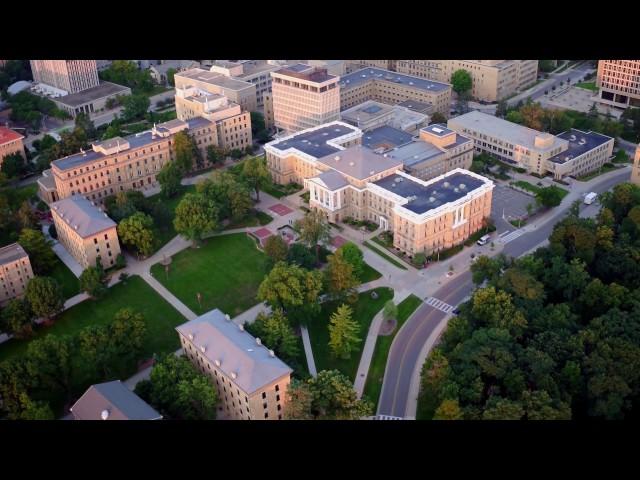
(384, 255)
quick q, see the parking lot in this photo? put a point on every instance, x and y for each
(510, 202)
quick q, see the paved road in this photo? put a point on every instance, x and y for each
(406, 349)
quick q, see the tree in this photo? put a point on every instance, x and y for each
(332, 398)
(354, 256)
(256, 173)
(314, 230)
(503, 409)
(486, 268)
(92, 282)
(448, 410)
(276, 248)
(300, 255)
(343, 332)
(169, 178)
(195, 215)
(44, 296)
(515, 116)
(84, 122)
(215, 154)
(502, 109)
(184, 150)
(292, 289)
(137, 231)
(390, 311)
(276, 333)
(231, 196)
(135, 106)
(41, 256)
(26, 217)
(437, 117)
(178, 390)
(170, 76)
(15, 319)
(49, 361)
(549, 196)
(33, 410)
(339, 279)
(461, 81)
(12, 165)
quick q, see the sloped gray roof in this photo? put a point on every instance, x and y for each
(235, 349)
(79, 212)
(333, 180)
(116, 400)
(11, 253)
(359, 162)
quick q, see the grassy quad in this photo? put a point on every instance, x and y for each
(369, 274)
(66, 279)
(161, 318)
(373, 386)
(363, 312)
(227, 271)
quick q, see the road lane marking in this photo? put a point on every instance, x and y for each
(439, 304)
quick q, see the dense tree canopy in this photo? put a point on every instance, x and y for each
(556, 336)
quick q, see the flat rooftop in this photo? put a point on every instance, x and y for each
(366, 112)
(11, 253)
(314, 142)
(416, 106)
(306, 72)
(333, 180)
(432, 194)
(385, 138)
(214, 78)
(359, 162)
(82, 215)
(105, 89)
(370, 74)
(579, 143)
(415, 152)
(499, 128)
(437, 129)
(235, 349)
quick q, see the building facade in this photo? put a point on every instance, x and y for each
(10, 143)
(203, 82)
(250, 380)
(257, 72)
(304, 97)
(492, 80)
(619, 83)
(85, 231)
(15, 272)
(572, 153)
(392, 88)
(70, 76)
(121, 164)
(371, 114)
(635, 169)
(354, 65)
(347, 179)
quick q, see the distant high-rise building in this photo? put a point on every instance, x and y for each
(71, 76)
(619, 83)
(304, 97)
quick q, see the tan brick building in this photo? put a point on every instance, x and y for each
(197, 81)
(10, 143)
(619, 83)
(572, 153)
(353, 65)
(346, 179)
(635, 169)
(85, 231)
(492, 80)
(304, 97)
(15, 272)
(121, 164)
(70, 76)
(392, 88)
(250, 380)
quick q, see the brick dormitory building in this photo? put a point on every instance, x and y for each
(15, 271)
(347, 179)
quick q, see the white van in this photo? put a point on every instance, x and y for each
(483, 240)
(590, 197)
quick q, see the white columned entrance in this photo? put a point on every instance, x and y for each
(384, 223)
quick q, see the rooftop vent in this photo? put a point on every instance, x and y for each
(572, 138)
(234, 375)
(241, 327)
(372, 172)
(249, 349)
(432, 199)
(446, 184)
(272, 353)
(338, 130)
(325, 133)
(75, 227)
(203, 348)
(227, 317)
(217, 362)
(437, 130)
(104, 414)
(351, 164)
(456, 190)
(258, 341)
(191, 336)
(462, 186)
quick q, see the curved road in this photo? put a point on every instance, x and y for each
(414, 334)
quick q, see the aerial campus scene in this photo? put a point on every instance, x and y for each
(319, 239)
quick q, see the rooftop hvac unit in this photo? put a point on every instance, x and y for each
(258, 341)
(234, 375)
(191, 336)
(462, 186)
(372, 172)
(432, 199)
(203, 348)
(446, 185)
(337, 158)
(272, 353)
(217, 362)
(241, 327)
(351, 164)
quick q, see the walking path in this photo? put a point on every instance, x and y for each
(168, 296)
(306, 341)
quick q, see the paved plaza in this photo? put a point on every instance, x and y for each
(510, 203)
(280, 209)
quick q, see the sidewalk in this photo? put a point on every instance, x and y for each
(168, 296)
(306, 341)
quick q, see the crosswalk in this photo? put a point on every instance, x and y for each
(439, 304)
(511, 236)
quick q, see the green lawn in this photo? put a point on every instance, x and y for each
(251, 220)
(384, 255)
(226, 270)
(67, 280)
(161, 318)
(369, 274)
(373, 387)
(605, 168)
(164, 231)
(280, 191)
(527, 186)
(587, 86)
(363, 312)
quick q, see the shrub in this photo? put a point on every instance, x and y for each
(52, 231)
(419, 259)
